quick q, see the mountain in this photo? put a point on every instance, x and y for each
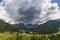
(28, 26)
(54, 23)
(48, 27)
(6, 27)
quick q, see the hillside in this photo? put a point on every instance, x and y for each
(49, 27)
(6, 27)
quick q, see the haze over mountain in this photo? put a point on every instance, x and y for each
(49, 27)
(50, 23)
(52, 26)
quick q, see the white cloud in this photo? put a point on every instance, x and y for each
(28, 11)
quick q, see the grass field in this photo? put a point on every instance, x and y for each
(7, 36)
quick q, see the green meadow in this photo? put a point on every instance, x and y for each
(23, 36)
(43, 32)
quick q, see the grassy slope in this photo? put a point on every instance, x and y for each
(5, 36)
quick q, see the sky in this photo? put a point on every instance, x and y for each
(0, 0)
(58, 1)
(29, 11)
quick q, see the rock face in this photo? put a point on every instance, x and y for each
(53, 23)
(21, 25)
(52, 26)
(30, 26)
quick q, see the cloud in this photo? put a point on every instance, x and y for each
(28, 11)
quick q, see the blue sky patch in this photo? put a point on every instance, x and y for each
(58, 1)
